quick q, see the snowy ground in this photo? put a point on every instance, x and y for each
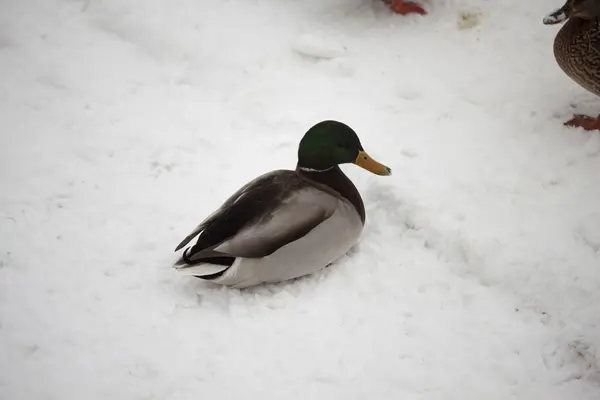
(124, 123)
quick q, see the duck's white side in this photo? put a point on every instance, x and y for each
(324, 244)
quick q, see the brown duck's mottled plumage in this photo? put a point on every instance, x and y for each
(577, 51)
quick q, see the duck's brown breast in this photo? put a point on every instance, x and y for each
(577, 51)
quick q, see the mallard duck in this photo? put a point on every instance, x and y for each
(404, 7)
(285, 224)
(577, 49)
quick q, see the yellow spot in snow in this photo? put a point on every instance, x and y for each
(468, 19)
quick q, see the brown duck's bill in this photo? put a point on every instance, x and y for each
(557, 16)
(364, 161)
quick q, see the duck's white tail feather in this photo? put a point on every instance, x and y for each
(201, 269)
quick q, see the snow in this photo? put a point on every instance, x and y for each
(125, 123)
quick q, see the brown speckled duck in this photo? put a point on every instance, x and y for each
(577, 49)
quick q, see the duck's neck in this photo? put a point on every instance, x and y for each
(335, 179)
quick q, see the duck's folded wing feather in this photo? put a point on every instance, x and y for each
(251, 187)
(295, 217)
(260, 218)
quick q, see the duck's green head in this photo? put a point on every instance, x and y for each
(330, 143)
(584, 9)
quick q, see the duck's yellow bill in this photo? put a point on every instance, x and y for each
(364, 161)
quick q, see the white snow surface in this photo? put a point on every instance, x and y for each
(125, 123)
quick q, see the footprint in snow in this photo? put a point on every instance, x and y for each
(312, 47)
(328, 54)
(385, 207)
(589, 232)
(159, 168)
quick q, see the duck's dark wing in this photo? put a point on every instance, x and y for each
(257, 186)
(266, 214)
